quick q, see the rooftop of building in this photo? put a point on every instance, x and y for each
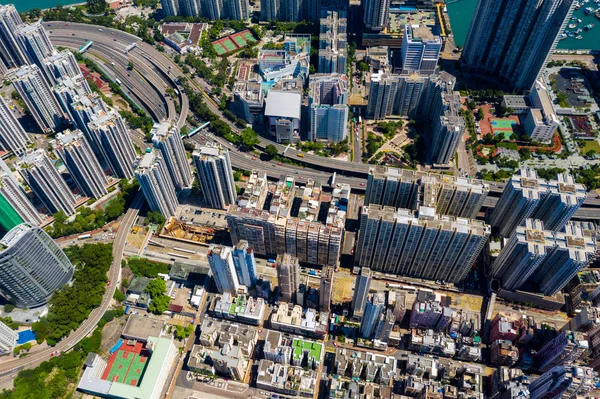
(422, 33)
(240, 305)
(184, 33)
(186, 271)
(141, 327)
(289, 201)
(69, 137)
(283, 104)
(14, 235)
(300, 346)
(421, 17)
(209, 150)
(162, 351)
(305, 319)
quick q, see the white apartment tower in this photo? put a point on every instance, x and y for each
(223, 269)
(8, 339)
(112, 138)
(168, 140)
(215, 175)
(11, 53)
(40, 174)
(156, 184)
(82, 164)
(35, 41)
(35, 92)
(12, 136)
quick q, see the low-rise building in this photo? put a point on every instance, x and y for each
(372, 366)
(183, 37)
(162, 353)
(242, 308)
(224, 349)
(294, 319)
(431, 342)
(503, 353)
(296, 351)
(285, 379)
(140, 328)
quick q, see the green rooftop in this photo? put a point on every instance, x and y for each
(314, 349)
(237, 305)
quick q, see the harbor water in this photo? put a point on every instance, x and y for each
(461, 12)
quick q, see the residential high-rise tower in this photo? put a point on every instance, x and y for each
(40, 174)
(153, 176)
(245, 264)
(223, 269)
(168, 140)
(514, 39)
(215, 175)
(288, 277)
(32, 266)
(12, 136)
(39, 99)
(361, 291)
(82, 164)
(376, 13)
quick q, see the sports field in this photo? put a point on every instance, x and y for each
(503, 127)
(239, 41)
(219, 49)
(228, 44)
(233, 42)
(126, 367)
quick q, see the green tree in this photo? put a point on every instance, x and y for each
(249, 138)
(9, 307)
(147, 268)
(271, 151)
(119, 296)
(97, 6)
(159, 304)
(363, 66)
(184, 332)
(155, 218)
(156, 287)
(480, 114)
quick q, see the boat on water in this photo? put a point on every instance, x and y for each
(562, 36)
(571, 34)
(572, 26)
(588, 27)
(588, 10)
(578, 37)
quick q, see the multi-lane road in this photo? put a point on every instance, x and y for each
(158, 71)
(9, 368)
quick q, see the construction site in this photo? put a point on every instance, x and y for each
(190, 232)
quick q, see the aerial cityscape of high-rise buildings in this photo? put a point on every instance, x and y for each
(307, 198)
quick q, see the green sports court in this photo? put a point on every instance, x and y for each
(233, 42)
(503, 127)
(126, 367)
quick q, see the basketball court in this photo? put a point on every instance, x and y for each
(503, 127)
(127, 365)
